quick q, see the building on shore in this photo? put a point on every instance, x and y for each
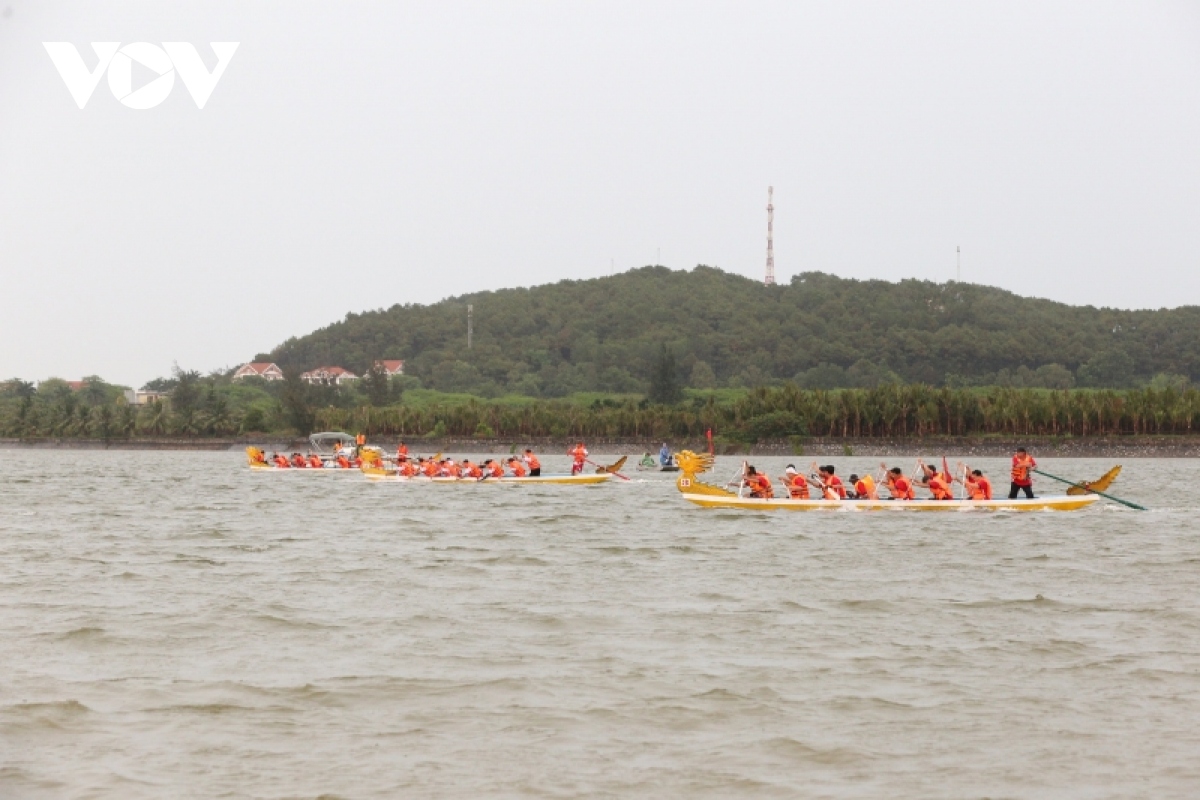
(329, 376)
(392, 367)
(259, 369)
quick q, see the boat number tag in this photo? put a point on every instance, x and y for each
(685, 482)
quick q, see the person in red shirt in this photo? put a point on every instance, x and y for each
(795, 483)
(1022, 475)
(579, 455)
(977, 486)
(758, 484)
(898, 485)
(864, 487)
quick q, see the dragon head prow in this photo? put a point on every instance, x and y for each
(693, 463)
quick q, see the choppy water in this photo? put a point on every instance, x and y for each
(174, 626)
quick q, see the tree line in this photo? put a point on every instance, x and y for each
(207, 406)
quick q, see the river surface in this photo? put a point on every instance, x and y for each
(173, 626)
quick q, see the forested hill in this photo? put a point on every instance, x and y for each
(607, 334)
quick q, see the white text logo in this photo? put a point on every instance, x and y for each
(164, 61)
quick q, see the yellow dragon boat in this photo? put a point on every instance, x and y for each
(708, 496)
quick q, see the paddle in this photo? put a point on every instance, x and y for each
(1092, 491)
(594, 464)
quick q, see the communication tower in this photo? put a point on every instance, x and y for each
(770, 279)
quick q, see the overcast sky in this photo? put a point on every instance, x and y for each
(353, 156)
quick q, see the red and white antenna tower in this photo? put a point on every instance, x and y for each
(770, 279)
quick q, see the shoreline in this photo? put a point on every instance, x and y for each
(988, 447)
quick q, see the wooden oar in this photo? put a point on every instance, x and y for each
(594, 464)
(1091, 491)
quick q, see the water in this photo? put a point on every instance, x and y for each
(174, 626)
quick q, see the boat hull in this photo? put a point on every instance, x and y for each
(1049, 503)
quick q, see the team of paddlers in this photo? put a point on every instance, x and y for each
(526, 465)
(823, 483)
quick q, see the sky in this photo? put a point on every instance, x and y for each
(354, 156)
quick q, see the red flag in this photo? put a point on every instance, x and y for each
(710, 441)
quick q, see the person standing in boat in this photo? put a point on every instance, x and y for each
(531, 461)
(664, 456)
(579, 455)
(1022, 475)
(402, 452)
(758, 484)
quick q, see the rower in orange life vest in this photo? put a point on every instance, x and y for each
(938, 483)
(831, 485)
(864, 487)
(795, 483)
(493, 469)
(342, 461)
(1022, 478)
(977, 486)
(298, 461)
(899, 486)
(758, 484)
(406, 468)
(429, 467)
(315, 461)
(531, 461)
(518, 467)
(470, 470)
(579, 455)
(450, 469)
(281, 461)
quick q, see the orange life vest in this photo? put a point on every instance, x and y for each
(980, 488)
(532, 461)
(797, 487)
(579, 453)
(299, 461)
(518, 469)
(430, 468)
(406, 468)
(900, 488)
(282, 462)
(1020, 470)
(315, 461)
(402, 452)
(343, 462)
(940, 489)
(473, 471)
(865, 489)
(759, 486)
(451, 470)
(495, 470)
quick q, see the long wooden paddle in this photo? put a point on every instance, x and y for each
(1091, 491)
(605, 469)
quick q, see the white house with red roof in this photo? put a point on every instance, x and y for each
(259, 369)
(333, 376)
(391, 367)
